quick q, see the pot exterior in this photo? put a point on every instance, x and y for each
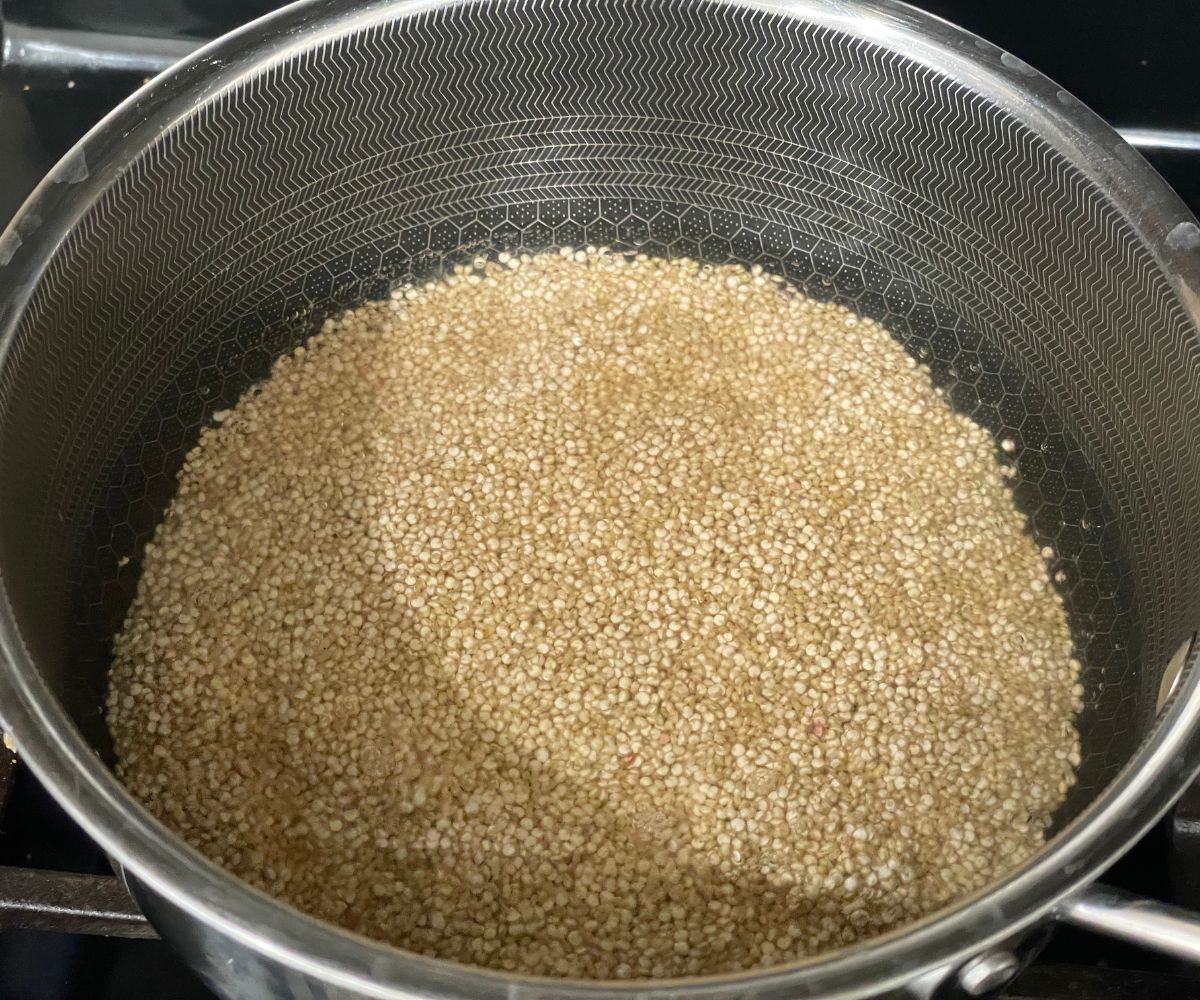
(235, 971)
(227, 966)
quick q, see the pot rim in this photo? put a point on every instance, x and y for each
(164, 864)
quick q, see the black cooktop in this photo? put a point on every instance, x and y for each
(67, 62)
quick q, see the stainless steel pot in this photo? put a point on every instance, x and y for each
(871, 153)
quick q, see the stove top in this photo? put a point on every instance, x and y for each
(67, 929)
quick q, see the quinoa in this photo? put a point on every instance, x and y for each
(601, 616)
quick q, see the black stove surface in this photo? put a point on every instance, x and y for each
(1136, 67)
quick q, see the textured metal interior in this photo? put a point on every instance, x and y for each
(680, 127)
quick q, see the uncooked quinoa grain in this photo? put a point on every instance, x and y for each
(596, 616)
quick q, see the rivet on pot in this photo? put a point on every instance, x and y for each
(1170, 677)
(988, 973)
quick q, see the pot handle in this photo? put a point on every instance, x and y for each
(1145, 922)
